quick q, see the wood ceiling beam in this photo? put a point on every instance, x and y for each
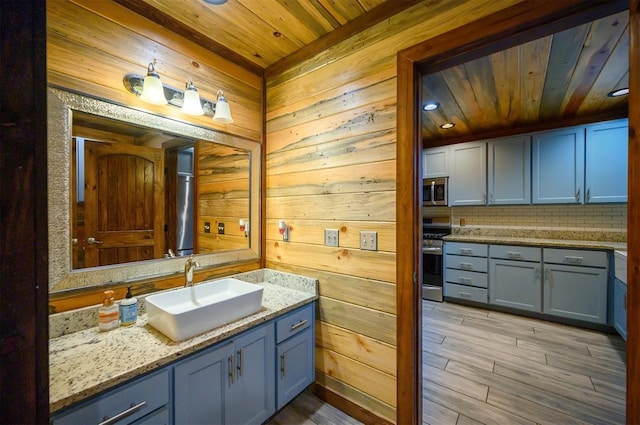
(362, 22)
(146, 10)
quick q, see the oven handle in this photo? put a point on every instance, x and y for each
(432, 250)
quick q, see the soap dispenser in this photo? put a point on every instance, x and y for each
(128, 309)
(108, 313)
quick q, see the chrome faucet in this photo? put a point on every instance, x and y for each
(189, 267)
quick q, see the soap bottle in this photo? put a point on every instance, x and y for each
(128, 309)
(108, 313)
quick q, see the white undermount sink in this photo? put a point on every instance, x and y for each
(187, 312)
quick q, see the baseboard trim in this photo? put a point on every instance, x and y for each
(363, 415)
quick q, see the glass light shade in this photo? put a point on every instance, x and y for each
(152, 90)
(223, 112)
(192, 105)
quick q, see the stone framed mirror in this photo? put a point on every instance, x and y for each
(80, 258)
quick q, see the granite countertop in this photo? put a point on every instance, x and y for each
(542, 242)
(86, 362)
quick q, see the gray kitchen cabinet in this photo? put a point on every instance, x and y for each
(620, 308)
(575, 284)
(232, 383)
(465, 272)
(435, 162)
(468, 174)
(296, 354)
(139, 399)
(606, 161)
(558, 166)
(509, 171)
(515, 277)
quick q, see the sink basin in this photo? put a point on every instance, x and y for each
(187, 312)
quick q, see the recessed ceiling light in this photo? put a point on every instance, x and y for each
(431, 106)
(447, 125)
(620, 92)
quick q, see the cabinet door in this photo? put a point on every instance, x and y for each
(515, 284)
(509, 175)
(468, 174)
(201, 384)
(558, 166)
(576, 292)
(252, 398)
(295, 366)
(435, 162)
(606, 162)
(620, 308)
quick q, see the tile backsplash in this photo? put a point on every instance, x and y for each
(601, 218)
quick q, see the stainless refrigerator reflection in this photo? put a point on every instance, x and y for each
(185, 214)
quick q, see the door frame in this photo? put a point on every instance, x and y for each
(514, 25)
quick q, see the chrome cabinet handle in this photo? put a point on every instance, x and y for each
(588, 195)
(578, 196)
(536, 273)
(466, 266)
(492, 201)
(484, 198)
(91, 240)
(283, 369)
(241, 362)
(514, 254)
(466, 251)
(465, 280)
(465, 294)
(573, 260)
(130, 411)
(298, 325)
(231, 369)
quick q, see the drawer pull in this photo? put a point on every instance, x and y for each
(466, 251)
(514, 254)
(573, 260)
(298, 325)
(466, 266)
(130, 411)
(465, 294)
(465, 280)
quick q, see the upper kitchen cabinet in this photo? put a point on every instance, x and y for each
(606, 162)
(435, 162)
(509, 171)
(468, 174)
(558, 166)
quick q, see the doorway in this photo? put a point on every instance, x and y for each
(518, 24)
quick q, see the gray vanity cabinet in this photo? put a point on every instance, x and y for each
(232, 383)
(515, 277)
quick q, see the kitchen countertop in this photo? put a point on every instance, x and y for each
(542, 242)
(88, 361)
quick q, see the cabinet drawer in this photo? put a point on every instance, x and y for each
(138, 398)
(466, 278)
(470, 264)
(576, 257)
(469, 293)
(518, 253)
(294, 323)
(461, 248)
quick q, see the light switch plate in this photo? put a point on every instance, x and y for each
(331, 237)
(368, 240)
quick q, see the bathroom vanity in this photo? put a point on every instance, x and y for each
(241, 372)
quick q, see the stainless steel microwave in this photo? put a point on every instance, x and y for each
(435, 191)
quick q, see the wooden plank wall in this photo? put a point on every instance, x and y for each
(331, 163)
(91, 45)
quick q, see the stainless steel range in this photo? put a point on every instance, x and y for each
(433, 230)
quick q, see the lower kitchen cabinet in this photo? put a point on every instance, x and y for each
(620, 308)
(231, 384)
(515, 284)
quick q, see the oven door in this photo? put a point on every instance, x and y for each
(432, 273)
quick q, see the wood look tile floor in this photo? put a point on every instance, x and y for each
(486, 367)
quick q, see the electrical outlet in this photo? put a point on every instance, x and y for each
(331, 237)
(368, 240)
(221, 228)
(207, 227)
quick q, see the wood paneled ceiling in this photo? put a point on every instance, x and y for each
(550, 82)
(259, 34)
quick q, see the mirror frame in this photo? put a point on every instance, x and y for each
(60, 107)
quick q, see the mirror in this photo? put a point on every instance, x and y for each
(98, 149)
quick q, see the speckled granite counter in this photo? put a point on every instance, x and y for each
(543, 242)
(86, 362)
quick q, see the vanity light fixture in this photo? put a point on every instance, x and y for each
(152, 89)
(189, 101)
(619, 92)
(430, 106)
(283, 229)
(447, 125)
